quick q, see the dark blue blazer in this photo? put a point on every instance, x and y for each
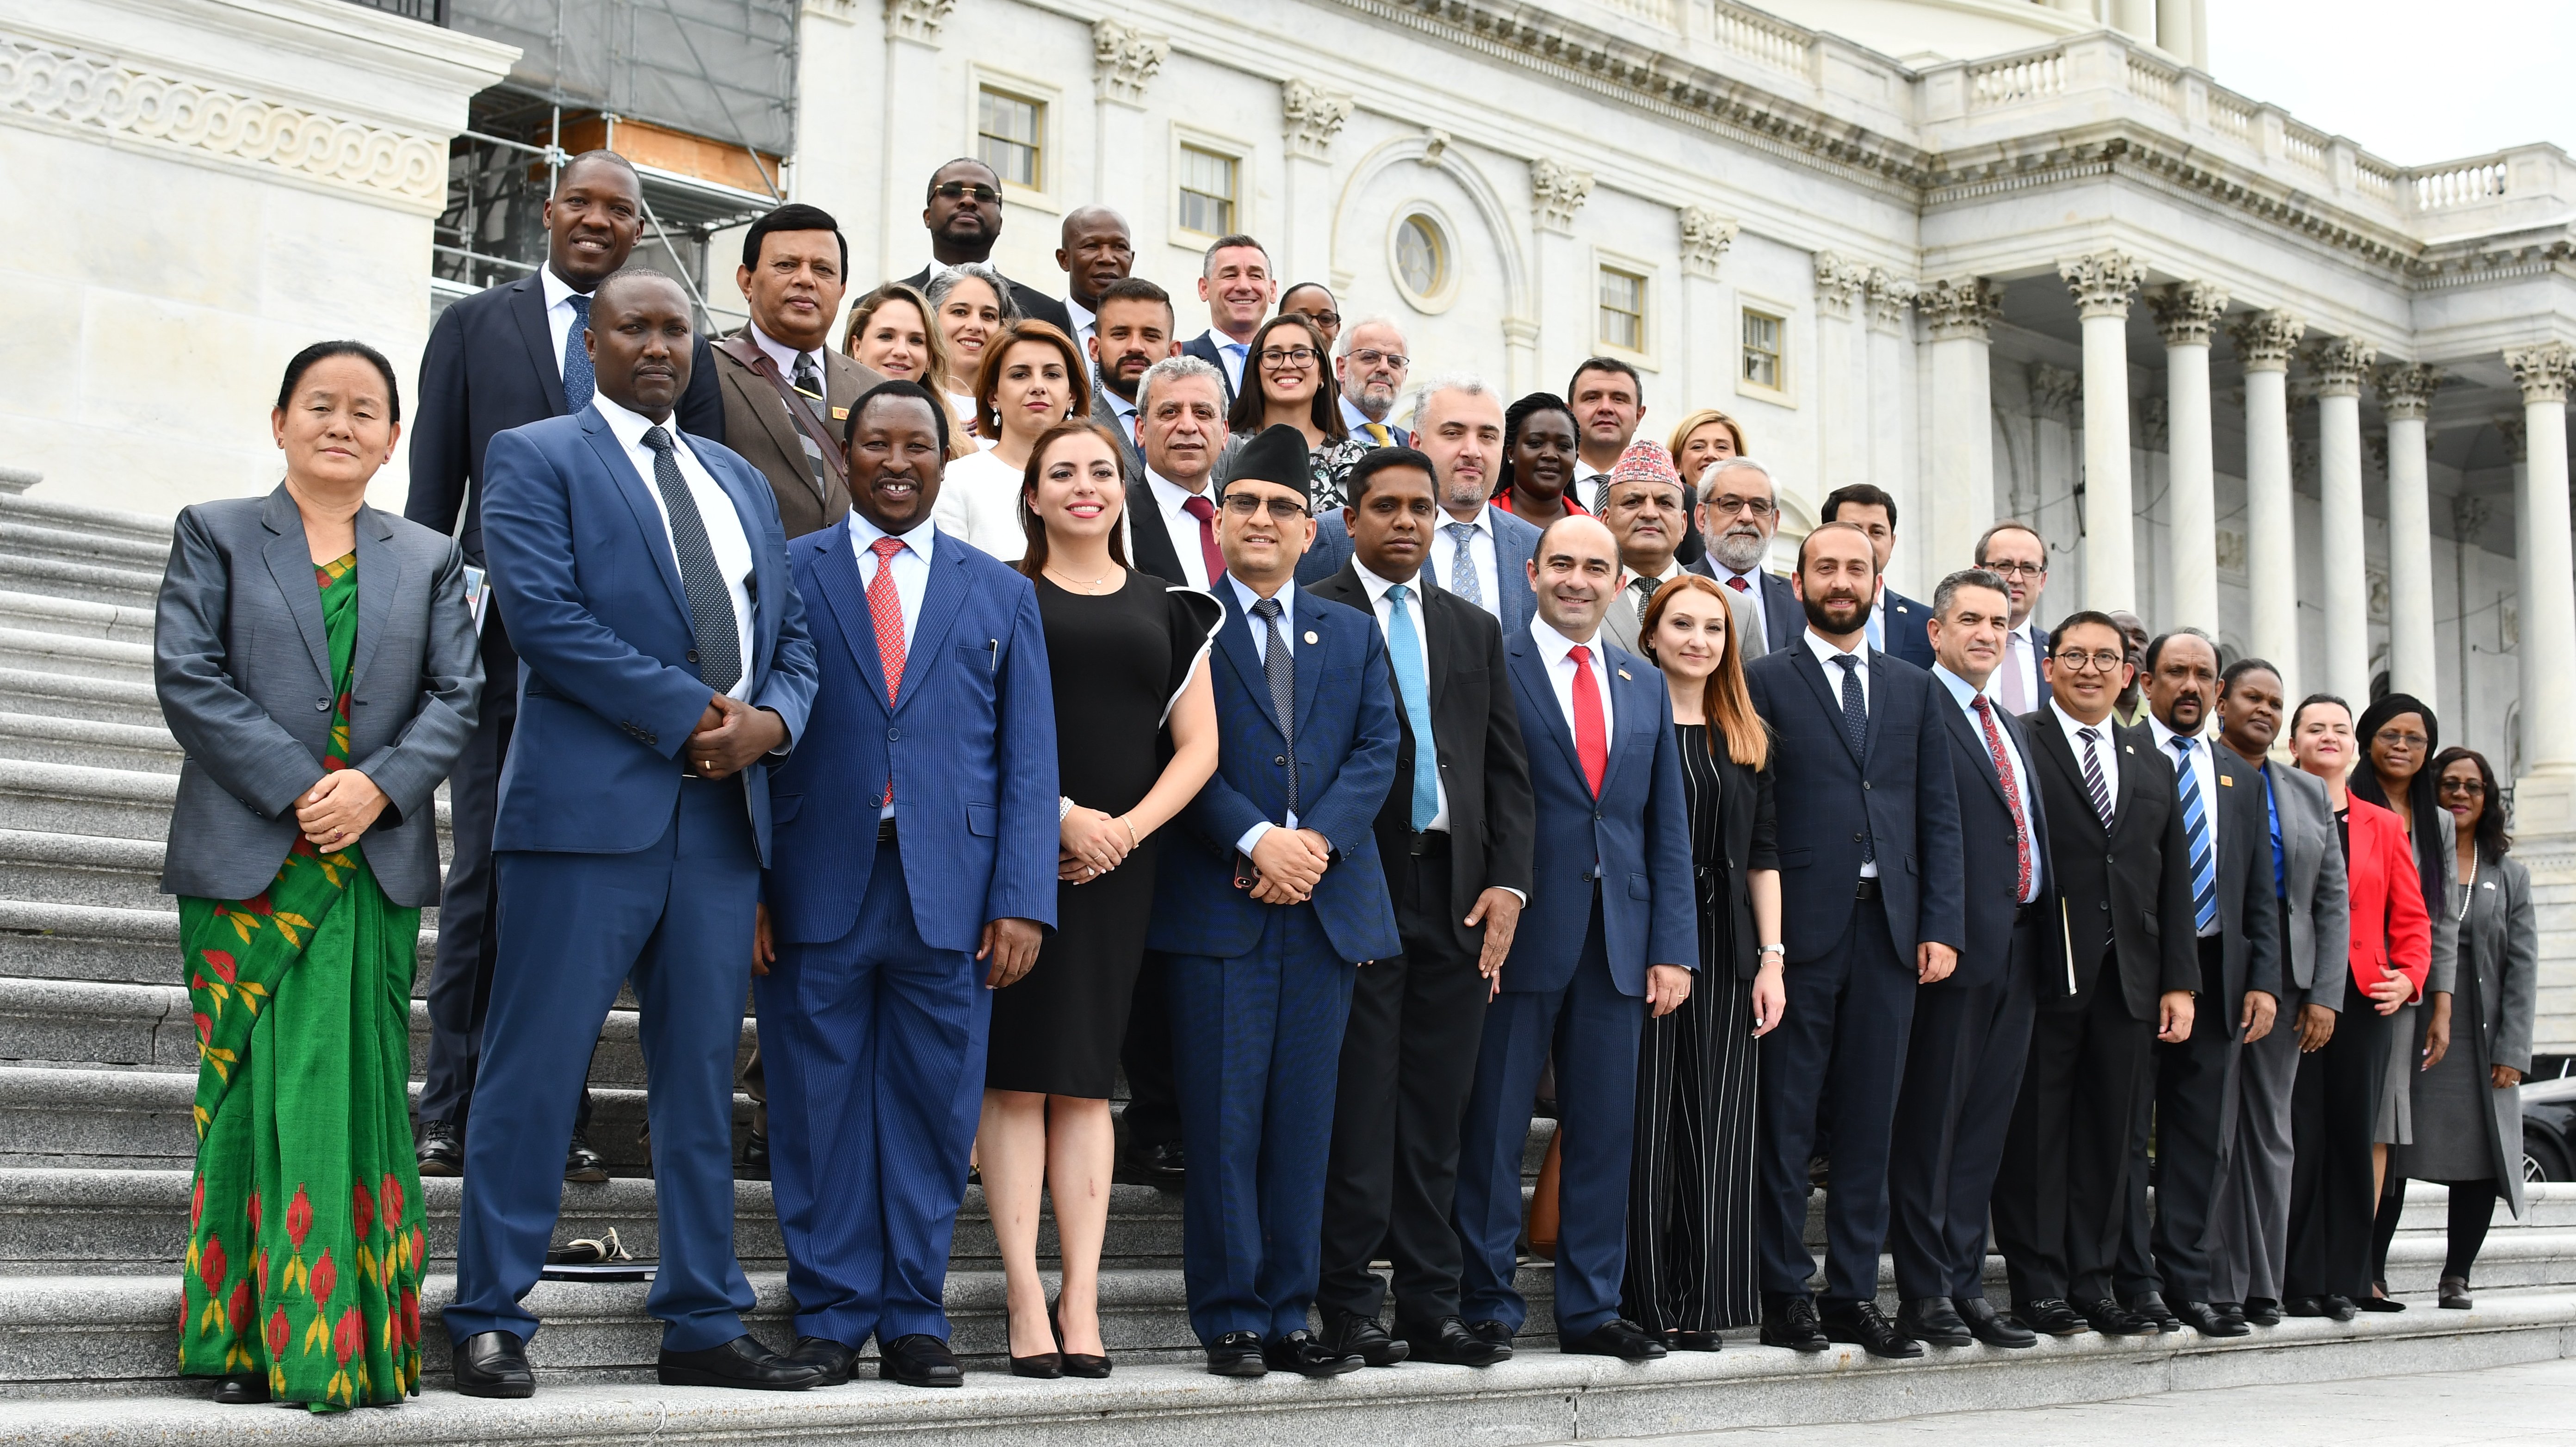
(1347, 738)
(1898, 789)
(1988, 865)
(1514, 543)
(970, 741)
(1908, 631)
(1637, 832)
(608, 691)
(490, 366)
(1205, 350)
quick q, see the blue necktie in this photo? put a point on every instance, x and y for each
(1462, 563)
(579, 381)
(2195, 831)
(2272, 807)
(1856, 728)
(1413, 684)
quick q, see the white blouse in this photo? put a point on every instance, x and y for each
(979, 502)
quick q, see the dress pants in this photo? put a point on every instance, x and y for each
(1408, 1061)
(676, 918)
(1593, 1030)
(2254, 1198)
(2188, 1103)
(1256, 1047)
(1845, 1031)
(2061, 1197)
(1153, 1114)
(1963, 1070)
(873, 1046)
(2333, 1109)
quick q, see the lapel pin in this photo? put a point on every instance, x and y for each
(2225, 782)
(840, 414)
(1310, 636)
(1623, 673)
(2128, 748)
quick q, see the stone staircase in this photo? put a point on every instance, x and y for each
(96, 1076)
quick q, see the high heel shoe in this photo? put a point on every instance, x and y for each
(1076, 1364)
(1045, 1366)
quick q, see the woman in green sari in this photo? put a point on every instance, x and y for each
(316, 659)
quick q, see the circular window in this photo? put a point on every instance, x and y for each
(1421, 260)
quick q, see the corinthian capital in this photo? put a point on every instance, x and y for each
(1124, 59)
(2545, 371)
(2406, 390)
(1964, 308)
(2265, 339)
(917, 19)
(1314, 116)
(1890, 297)
(1705, 237)
(2341, 364)
(1839, 283)
(1558, 191)
(2103, 283)
(2186, 310)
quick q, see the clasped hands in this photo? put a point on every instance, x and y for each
(731, 736)
(1090, 843)
(333, 813)
(1288, 862)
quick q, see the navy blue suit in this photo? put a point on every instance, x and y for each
(874, 1018)
(1850, 970)
(1906, 631)
(1514, 543)
(613, 864)
(1260, 992)
(1611, 894)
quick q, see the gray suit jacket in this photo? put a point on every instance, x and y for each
(1620, 621)
(244, 673)
(2312, 870)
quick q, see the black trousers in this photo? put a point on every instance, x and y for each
(1408, 1063)
(2061, 1196)
(1153, 1114)
(2188, 1108)
(1963, 1071)
(2333, 1110)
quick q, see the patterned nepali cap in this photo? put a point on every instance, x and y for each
(1646, 462)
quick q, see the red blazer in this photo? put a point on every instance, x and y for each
(2389, 927)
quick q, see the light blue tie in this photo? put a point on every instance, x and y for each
(1242, 353)
(1413, 683)
(1462, 564)
(579, 381)
(1877, 631)
(2195, 831)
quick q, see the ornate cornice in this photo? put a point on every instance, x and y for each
(99, 95)
(1557, 191)
(1705, 238)
(1125, 59)
(1313, 116)
(2406, 390)
(2103, 283)
(917, 19)
(2545, 371)
(1964, 308)
(1839, 283)
(2265, 339)
(2341, 365)
(2186, 310)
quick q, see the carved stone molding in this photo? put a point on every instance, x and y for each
(2341, 365)
(2545, 371)
(2265, 339)
(2155, 424)
(2056, 392)
(1839, 283)
(1890, 297)
(1520, 332)
(1964, 308)
(1558, 191)
(1314, 116)
(917, 19)
(2186, 311)
(1125, 59)
(1435, 144)
(2513, 428)
(2103, 283)
(2469, 514)
(2231, 551)
(1705, 238)
(98, 94)
(2406, 390)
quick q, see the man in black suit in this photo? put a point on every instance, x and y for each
(1739, 512)
(1236, 282)
(2016, 553)
(1455, 834)
(1971, 1031)
(1130, 332)
(2120, 972)
(496, 360)
(963, 213)
(2236, 921)
(1094, 251)
(1870, 888)
(1897, 624)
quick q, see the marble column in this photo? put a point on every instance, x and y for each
(1885, 341)
(910, 91)
(2545, 796)
(1707, 351)
(1311, 116)
(2264, 341)
(1961, 314)
(2405, 398)
(1565, 284)
(1842, 389)
(2185, 312)
(1125, 61)
(2340, 364)
(2103, 285)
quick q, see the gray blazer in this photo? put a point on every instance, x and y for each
(2320, 953)
(244, 672)
(2499, 957)
(1620, 621)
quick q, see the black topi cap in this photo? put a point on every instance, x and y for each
(1277, 455)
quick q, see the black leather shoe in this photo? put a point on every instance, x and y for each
(241, 1391)
(755, 1156)
(1617, 1337)
(2262, 1311)
(2050, 1316)
(2208, 1320)
(1453, 1344)
(920, 1360)
(1362, 1337)
(1694, 1341)
(2232, 1310)
(442, 1149)
(1993, 1327)
(582, 1164)
(1791, 1322)
(1237, 1354)
(2107, 1316)
(2339, 1307)
(1492, 1331)
(1863, 1325)
(1300, 1351)
(2149, 1307)
(493, 1364)
(744, 1362)
(1164, 1167)
(2455, 1294)
(824, 1355)
(1933, 1321)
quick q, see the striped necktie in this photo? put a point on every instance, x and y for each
(2093, 782)
(2196, 832)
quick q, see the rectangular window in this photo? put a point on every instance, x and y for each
(1011, 137)
(1623, 309)
(1207, 191)
(1762, 334)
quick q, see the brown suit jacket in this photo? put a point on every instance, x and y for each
(757, 426)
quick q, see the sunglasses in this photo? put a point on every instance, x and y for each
(1281, 509)
(951, 190)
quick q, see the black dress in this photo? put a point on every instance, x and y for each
(1691, 1255)
(1118, 661)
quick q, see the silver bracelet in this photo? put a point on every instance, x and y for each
(1063, 806)
(1781, 950)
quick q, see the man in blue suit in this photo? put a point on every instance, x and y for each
(916, 846)
(1897, 624)
(663, 659)
(1610, 933)
(1870, 885)
(1273, 893)
(1971, 1031)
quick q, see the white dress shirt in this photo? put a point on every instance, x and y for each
(2204, 772)
(2108, 750)
(1826, 653)
(559, 319)
(911, 579)
(1480, 551)
(1183, 529)
(725, 534)
(1232, 353)
(1385, 612)
(1244, 598)
(1965, 697)
(979, 501)
(1556, 651)
(1752, 592)
(1086, 323)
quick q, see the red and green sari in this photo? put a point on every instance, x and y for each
(304, 1231)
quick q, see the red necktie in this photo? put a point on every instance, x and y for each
(1591, 735)
(2012, 796)
(1739, 585)
(885, 609)
(1199, 507)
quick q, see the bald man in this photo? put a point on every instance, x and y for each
(1094, 249)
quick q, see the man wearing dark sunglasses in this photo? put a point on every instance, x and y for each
(963, 213)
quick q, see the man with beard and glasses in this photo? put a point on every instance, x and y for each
(1739, 512)
(1371, 369)
(1130, 330)
(1095, 252)
(963, 213)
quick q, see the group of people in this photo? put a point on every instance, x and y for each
(1023, 697)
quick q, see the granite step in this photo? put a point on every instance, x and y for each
(36, 560)
(54, 512)
(45, 613)
(46, 739)
(55, 696)
(75, 656)
(105, 803)
(89, 871)
(78, 538)
(113, 945)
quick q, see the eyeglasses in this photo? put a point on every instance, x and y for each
(2009, 571)
(1730, 504)
(2103, 662)
(1326, 320)
(2401, 736)
(1281, 509)
(1371, 357)
(2462, 786)
(1299, 358)
(951, 190)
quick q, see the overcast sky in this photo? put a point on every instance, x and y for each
(2413, 81)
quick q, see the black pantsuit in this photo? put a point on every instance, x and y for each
(2060, 1201)
(2332, 1111)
